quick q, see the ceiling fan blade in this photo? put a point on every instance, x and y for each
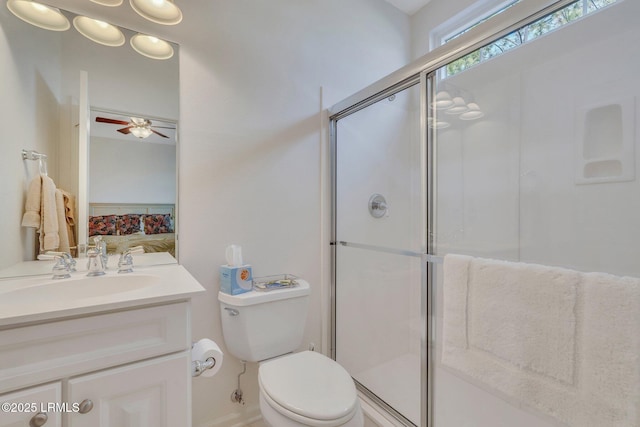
(126, 130)
(158, 133)
(111, 121)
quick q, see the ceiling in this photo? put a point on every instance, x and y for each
(125, 17)
(408, 6)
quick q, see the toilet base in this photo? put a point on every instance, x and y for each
(274, 418)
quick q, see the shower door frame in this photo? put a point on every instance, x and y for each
(421, 72)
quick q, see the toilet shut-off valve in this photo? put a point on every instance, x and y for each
(236, 396)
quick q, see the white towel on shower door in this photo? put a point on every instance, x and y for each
(542, 336)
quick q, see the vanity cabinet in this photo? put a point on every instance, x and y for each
(24, 408)
(147, 394)
(120, 368)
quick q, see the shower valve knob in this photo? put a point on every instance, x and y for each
(378, 206)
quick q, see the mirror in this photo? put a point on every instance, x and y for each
(41, 93)
(132, 181)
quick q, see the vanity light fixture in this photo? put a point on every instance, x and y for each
(458, 107)
(151, 47)
(110, 3)
(443, 101)
(472, 113)
(437, 124)
(40, 15)
(159, 11)
(99, 31)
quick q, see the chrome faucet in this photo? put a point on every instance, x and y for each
(61, 268)
(64, 258)
(101, 247)
(125, 263)
(95, 264)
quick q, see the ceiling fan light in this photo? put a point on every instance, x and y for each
(159, 11)
(40, 15)
(99, 31)
(151, 47)
(110, 3)
(141, 132)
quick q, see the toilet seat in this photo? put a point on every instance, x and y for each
(309, 388)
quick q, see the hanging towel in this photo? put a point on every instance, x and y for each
(557, 340)
(31, 217)
(62, 223)
(49, 238)
(70, 216)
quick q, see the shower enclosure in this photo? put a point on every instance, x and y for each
(485, 253)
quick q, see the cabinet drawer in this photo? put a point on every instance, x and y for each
(39, 353)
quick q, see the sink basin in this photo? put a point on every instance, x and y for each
(81, 288)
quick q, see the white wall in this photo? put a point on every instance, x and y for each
(252, 143)
(30, 88)
(433, 16)
(131, 172)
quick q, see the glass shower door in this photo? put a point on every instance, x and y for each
(379, 246)
(538, 301)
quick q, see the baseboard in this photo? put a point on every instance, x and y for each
(237, 419)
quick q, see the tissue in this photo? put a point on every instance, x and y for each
(233, 254)
(235, 277)
(208, 354)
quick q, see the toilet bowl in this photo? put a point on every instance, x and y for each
(307, 389)
(296, 389)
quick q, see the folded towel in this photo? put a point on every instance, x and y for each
(560, 341)
(49, 238)
(31, 217)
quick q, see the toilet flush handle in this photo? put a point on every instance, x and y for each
(232, 311)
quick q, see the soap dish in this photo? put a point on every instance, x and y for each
(272, 283)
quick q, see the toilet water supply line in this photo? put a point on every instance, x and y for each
(236, 396)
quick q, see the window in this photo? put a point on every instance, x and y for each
(526, 34)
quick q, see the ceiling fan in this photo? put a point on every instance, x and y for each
(138, 126)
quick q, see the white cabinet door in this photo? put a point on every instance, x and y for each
(154, 393)
(20, 407)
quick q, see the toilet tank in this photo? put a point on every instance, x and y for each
(259, 325)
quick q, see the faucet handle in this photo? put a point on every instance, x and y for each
(64, 257)
(125, 263)
(95, 264)
(61, 268)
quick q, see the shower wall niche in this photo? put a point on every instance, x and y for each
(605, 141)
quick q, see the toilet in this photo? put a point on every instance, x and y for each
(296, 389)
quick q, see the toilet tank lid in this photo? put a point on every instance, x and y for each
(259, 297)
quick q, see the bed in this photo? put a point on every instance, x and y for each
(126, 225)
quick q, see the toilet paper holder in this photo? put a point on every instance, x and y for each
(206, 358)
(199, 366)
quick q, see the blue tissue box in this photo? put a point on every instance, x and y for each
(235, 280)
